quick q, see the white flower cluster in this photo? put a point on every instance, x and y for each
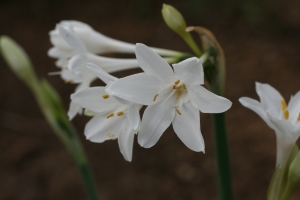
(173, 95)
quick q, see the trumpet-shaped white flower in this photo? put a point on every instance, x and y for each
(92, 42)
(283, 119)
(173, 97)
(113, 119)
(76, 71)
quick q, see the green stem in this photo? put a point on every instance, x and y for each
(190, 41)
(222, 157)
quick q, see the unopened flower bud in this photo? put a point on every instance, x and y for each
(174, 19)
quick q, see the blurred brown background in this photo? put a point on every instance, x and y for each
(261, 40)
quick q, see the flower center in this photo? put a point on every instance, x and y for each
(285, 110)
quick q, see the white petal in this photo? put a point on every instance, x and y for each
(68, 75)
(125, 141)
(113, 64)
(103, 75)
(72, 39)
(187, 127)
(92, 99)
(156, 119)
(77, 64)
(294, 107)
(270, 98)
(100, 128)
(284, 127)
(134, 115)
(206, 101)
(74, 109)
(152, 63)
(139, 88)
(190, 71)
(257, 108)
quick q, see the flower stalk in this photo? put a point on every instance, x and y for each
(51, 106)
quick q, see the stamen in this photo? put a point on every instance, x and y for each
(110, 115)
(155, 96)
(286, 114)
(176, 82)
(178, 111)
(120, 113)
(177, 87)
(69, 81)
(184, 86)
(109, 135)
(298, 118)
(105, 96)
(283, 104)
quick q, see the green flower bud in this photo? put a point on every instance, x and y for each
(17, 60)
(174, 19)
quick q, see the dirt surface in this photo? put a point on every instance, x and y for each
(258, 47)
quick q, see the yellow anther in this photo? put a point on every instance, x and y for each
(298, 117)
(286, 114)
(155, 96)
(177, 87)
(69, 81)
(176, 82)
(120, 113)
(109, 135)
(105, 96)
(110, 115)
(184, 86)
(178, 111)
(283, 104)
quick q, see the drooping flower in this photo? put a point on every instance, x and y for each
(283, 119)
(113, 119)
(86, 42)
(75, 70)
(172, 97)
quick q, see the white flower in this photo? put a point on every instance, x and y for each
(92, 42)
(173, 97)
(284, 120)
(112, 119)
(81, 56)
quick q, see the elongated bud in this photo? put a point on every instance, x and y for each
(17, 59)
(176, 22)
(173, 19)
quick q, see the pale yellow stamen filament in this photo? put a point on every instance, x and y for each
(176, 82)
(120, 113)
(110, 115)
(177, 87)
(105, 96)
(155, 96)
(178, 111)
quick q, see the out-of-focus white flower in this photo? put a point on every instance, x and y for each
(283, 119)
(173, 97)
(93, 43)
(113, 119)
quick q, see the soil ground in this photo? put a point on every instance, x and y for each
(261, 42)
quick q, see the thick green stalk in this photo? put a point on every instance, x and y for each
(222, 157)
